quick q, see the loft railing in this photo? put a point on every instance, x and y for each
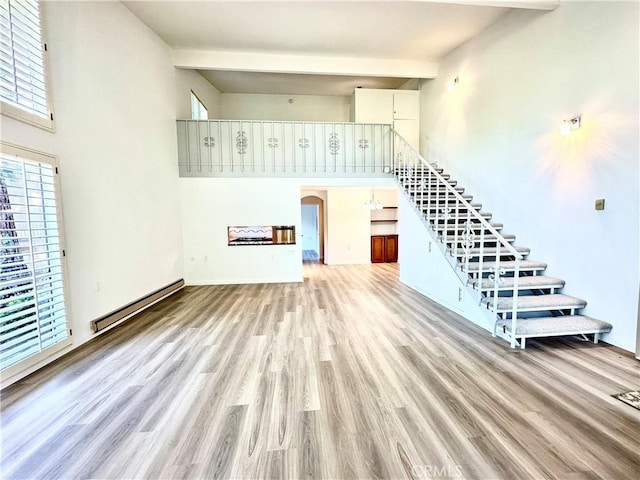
(466, 235)
(236, 148)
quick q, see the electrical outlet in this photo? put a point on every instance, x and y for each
(600, 204)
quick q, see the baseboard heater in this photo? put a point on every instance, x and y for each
(135, 306)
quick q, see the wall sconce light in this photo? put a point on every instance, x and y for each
(571, 124)
(451, 84)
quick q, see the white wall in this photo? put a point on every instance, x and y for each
(424, 268)
(349, 227)
(210, 205)
(498, 134)
(114, 94)
(312, 108)
(191, 80)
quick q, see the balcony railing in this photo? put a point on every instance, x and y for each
(241, 148)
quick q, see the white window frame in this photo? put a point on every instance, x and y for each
(22, 114)
(33, 360)
(201, 106)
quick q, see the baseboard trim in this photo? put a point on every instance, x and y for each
(110, 318)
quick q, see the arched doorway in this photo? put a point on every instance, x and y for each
(313, 230)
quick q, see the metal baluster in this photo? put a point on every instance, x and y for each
(241, 155)
(373, 148)
(468, 235)
(422, 186)
(456, 226)
(353, 136)
(496, 278)
(481, 249)
(198, 139)
(412, 185)
(514, 306)
(429, 196)
(394, 164)
(437, 210)
(364, 157)
(220, 146)
(293, 143)
(315, 151)
(344, 150)
(231, 159)
(264, 157)
(209, 148)
(304, 150)
(295, 160)
(273, 150)
(392, 147)
(416, 161)
(445, 211)
(186, 136)
(251, 143)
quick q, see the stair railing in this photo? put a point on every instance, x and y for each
(446, 210)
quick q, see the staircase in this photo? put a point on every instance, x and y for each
(522, 301)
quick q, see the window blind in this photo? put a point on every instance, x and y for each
(22, 70)
(32, 301)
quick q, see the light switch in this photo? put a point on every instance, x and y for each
(600, 204)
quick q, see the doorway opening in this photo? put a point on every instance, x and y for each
(312, 229)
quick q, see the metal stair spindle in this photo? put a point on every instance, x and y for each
(480, 259)
(496, 277)
(514, 309)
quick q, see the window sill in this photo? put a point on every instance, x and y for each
(11, 111)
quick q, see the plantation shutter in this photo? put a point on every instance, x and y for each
(22, 72)
(32, 301)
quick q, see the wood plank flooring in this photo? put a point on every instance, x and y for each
(347, 375)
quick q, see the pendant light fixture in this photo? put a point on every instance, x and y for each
(372, 203)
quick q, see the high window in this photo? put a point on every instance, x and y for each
(198, 110)
(32, 278)
(23, 88)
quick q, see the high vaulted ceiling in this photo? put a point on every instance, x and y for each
(251, 46)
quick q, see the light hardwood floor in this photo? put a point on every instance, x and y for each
(348, 375)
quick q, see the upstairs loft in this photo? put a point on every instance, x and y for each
(264, 148)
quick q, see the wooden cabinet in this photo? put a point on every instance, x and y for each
(384, 248)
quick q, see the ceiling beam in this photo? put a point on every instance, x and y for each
(303, 64)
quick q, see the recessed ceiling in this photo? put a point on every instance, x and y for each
(356, 31)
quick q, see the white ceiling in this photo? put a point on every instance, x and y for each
(294, 84)
(362, 30)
